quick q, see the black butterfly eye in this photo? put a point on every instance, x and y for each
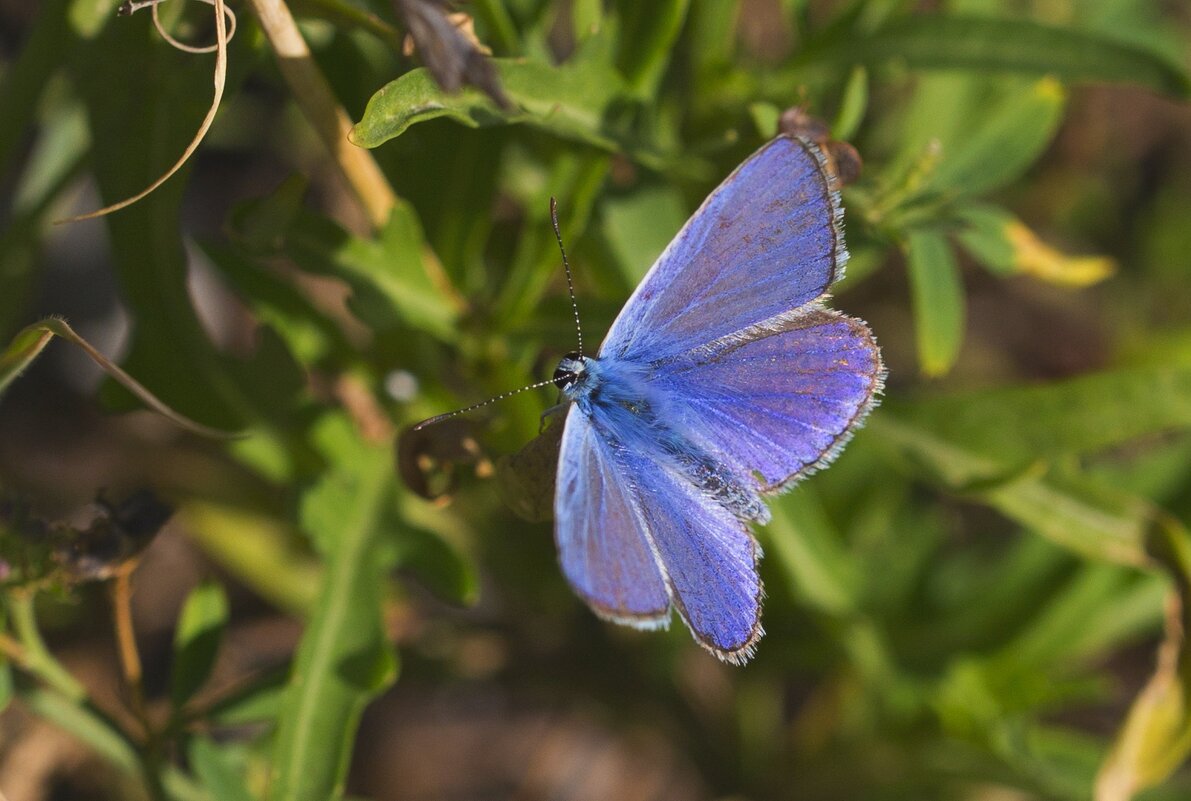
(568, 370)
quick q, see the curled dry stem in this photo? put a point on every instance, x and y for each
(223, 34)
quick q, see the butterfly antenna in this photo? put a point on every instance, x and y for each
(578, 331)
(567, 268)
(438, 418)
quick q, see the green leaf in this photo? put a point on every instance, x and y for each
(646, 42)
(578, 179)
(7, 689)
(259, 550)
(1005, 139)
(344, 658)
(951, 42)
(100, 735)
(258, 702)
(104, 738)
(571, 101)
(938, 300)
(444, 570)
(26, 346)
(1008, 448)
(853, 105)
(26, 78)
(765, 118)
(1018, 425)
(639, 225)
(196, 640)
(219, 773)
(390, 278)
(1080, 515)
(277, 303)
(811, 553)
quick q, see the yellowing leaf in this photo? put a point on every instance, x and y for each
(1006, 246)
(1034, 257)
(1156, 737)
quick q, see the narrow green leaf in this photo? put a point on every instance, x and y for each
(499, 25)
(1003, 141)
(853, 105)
(1017, 425)
(811, 553)
(1078, 514)
(937, 299)
(97, 733)
(7, 689)
(25, 78)
(308, 333)
(259, 702)
(445, 571)
(765, 118)
(26, 346)
(344, 658)
(1006, 448)
(105, 739)
(937, 41)
(646, 41)
(578, 179)
(259, 550)
(196, 640)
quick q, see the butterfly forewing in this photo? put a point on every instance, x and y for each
(765, 243)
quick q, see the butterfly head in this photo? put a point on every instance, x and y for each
(570, 372)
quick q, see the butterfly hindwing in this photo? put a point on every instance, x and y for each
(602, 545)
(782, 403)
(767, 242)
(709, 559)
(613, 500)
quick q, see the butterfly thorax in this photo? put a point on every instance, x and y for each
(632, 414)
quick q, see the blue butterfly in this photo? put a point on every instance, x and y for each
(724, 379)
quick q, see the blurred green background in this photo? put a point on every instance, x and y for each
(983, 599)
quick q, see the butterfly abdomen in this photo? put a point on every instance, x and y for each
(717, 481)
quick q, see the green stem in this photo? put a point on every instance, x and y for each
(500, 26)
(337, 10)
(38, 659)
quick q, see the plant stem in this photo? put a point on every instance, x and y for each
(318, 104)
(37, 657)
(151, 761)
(130, 658)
